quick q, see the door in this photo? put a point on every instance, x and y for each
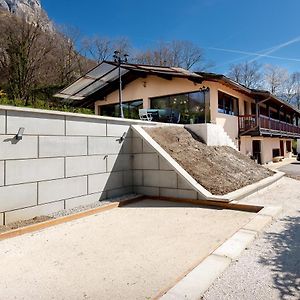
(281, 148)
(256, 150)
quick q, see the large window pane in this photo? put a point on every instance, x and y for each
(228, 104)
(130, 109)
(186, 108)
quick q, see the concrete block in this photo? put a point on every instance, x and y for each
(258, 223)
(50, 146)
(105, 145)
(183, 184)
(18, 196)
(104, 182)
(85, 165)
(127, 178)
(119, 192)
(145, 161)
(118, 129)
(97, 182)
(147, 148)
(195, 283)
(2, 122)
(119, 162)
(178, 193)
(30, 170)
(137, 145)
(31, 212)
(127, 146)
(1, 173)
(272, 211)
(85, 126)
(12, 149)
(233, 247)
(160, 178)
(55, 190)
(164, 164)
(146, 190)
(137, 177)
(35, 123)
(84, 200)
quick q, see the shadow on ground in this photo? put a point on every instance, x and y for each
(285, 259)
(167, 204)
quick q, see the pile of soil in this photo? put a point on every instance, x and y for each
(219, 169)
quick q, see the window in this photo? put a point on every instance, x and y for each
(130, 109)
(191, 107)
(227, 104)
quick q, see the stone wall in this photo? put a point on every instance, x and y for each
(63, 160)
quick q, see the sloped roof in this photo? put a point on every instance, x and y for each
(108, 72)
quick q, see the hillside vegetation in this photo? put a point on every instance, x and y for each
(35, 63)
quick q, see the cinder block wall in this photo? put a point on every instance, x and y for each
(153, 175)
(63, 160)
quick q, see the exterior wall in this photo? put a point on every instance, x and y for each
(267, 146)
(153, 86)
(63, 160)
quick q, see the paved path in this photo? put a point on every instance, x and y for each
(292, 169)
(270, 268)
(130, 252)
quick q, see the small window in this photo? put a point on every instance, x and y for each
(227, 104)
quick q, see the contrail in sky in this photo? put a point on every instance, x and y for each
(276, 48)
(260, 54)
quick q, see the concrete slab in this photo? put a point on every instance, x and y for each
(233, 247)
(258, 223)
(131, 252)
(198, 281)
(272, 211)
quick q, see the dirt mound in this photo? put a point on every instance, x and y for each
(220, 169)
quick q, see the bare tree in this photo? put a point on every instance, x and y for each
(247, 74)
(277, 80)
(296, 85)
(183, 54)
(24, 51)
(102, 48)
(69, 63)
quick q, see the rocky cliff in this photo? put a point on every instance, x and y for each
(31, 10)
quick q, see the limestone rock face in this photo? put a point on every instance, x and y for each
(31, 10)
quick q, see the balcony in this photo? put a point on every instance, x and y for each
(248, 124)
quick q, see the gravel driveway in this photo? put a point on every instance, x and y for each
(292, 170)
(270, 268)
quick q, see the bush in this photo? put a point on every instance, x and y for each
(47, 105)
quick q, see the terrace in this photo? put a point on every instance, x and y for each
(263, 125)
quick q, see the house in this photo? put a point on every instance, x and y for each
(260, 124)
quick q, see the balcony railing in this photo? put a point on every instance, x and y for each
(248, 122)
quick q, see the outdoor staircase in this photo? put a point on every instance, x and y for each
(212, 134)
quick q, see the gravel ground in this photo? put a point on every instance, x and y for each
(62, 213)
(270, 268)
(130, 252)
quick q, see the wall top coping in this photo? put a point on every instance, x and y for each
(74, 115)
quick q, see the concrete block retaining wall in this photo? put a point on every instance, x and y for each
(153, 175)
(63, 160)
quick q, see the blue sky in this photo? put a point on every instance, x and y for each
(269, 27)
